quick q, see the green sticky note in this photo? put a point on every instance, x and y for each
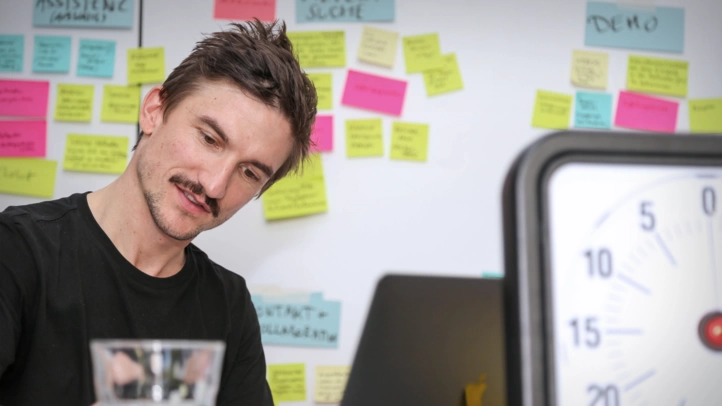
(319, 49)
(409, 141)
(446, 78)
(287, 382)
(364, 138)
(378, 47)
(297, 195)
(656, 75)
(422, 52)
(705, 116)
(95, 153)
(74, 102)
(323, 83)
(27, 176)
(590, 69)
(552, 110)
(121, 104)
(146, 65)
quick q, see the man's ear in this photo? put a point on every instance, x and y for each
(151, 111)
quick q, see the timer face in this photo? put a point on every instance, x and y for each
(634, 283)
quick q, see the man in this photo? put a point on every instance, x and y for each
(230, 120)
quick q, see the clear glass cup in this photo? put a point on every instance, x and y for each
(156, 372)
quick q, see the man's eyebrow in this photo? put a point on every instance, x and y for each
(263, 167)
(211, 122)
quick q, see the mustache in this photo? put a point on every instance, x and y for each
(196, 188)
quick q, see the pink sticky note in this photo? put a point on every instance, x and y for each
(264, 10)
(373, 92)
(23, 138)
(646, 113)
(322, 134)
(24, 98)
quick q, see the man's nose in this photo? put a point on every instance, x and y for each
(216, 177)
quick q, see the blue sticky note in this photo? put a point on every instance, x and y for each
(83, 13)
(51, 54)
(593, 110)
(12, 50)
(96, 58)
(307, 324)
(324, 11)
(652, 28)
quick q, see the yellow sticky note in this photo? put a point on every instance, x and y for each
(287, 382)
(319, 49)
(590, 69)
(120, 104)
(95, 153)
(27, 176)
(552, 110)
(659, 76)
(364, 138)
(705, 116)
(146, 65)
(74, 102)
(445, 78)
(378, 46)
(422, 52)
(297, 195)
(330, 383)
(409, 141)
(324, 90)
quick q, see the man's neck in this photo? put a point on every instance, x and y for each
(121, 211)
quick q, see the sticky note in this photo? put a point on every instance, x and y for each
(323, 83)
(590, 69)
(445, 78)
(96, 58)
(27, 98)
(74, 102)
(372, 92)
(330, 383)
(12, 52)
(86, 13)
(655, 28)
(421, 52)
(320, 11)
(705, 115)
(146, 65)
(646, 113)
(322, 134)
(409, 141)
(95, 153)
(304, 324)
(659, 76)
(23, 138)
(264, 10)
(297, 195)
(27, 176)
(51, 54)
(593, 110)
(121, 104)
(319, 49)
(364, 138)
(287, 382)
(552, 110)
(378, 46)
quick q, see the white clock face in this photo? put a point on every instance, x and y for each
(636, 284)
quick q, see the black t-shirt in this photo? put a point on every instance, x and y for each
(63, 283)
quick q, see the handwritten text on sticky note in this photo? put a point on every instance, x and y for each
(322, 134)
(364, 138)
(96, 14)
(27, 98)
(316, 11)
(445, 78)
(319, 49)
(12, 51)
(409, 141)
(646, 113)
(378, 46)
(264, 10)
(287, 382)
(374, 92)
(96, 58)
(297, 195)
(593, 110)
(23, 138)
(121, 104)
(705, 116)
(590, 69)
(655, 75)
(51, 54)
(421, 52)
(27, 176)
(330, 383)
(146, 65)
(74, 102)
(95, 153)
(324, 89)
(552, 110)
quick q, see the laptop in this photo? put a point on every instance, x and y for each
(425, 339)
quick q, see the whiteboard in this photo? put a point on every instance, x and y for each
(438, 217)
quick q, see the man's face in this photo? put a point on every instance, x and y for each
(210, 156)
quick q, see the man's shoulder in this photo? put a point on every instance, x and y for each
(46, 211)
(232, 281)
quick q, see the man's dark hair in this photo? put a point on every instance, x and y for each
(258, 57)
